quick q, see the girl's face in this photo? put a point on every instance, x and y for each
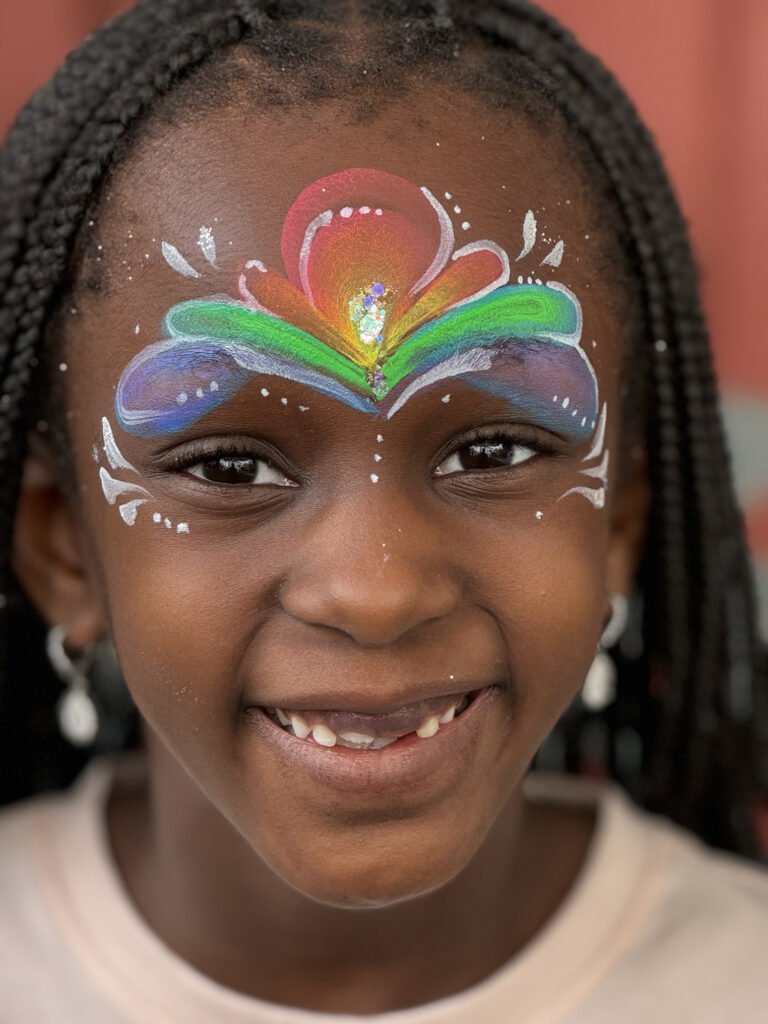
(342, 485)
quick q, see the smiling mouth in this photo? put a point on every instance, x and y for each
(360, 731)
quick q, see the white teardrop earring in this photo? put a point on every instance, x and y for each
(76, 712)
(599, 688)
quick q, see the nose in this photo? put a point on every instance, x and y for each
(373, 576)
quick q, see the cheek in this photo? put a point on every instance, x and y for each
(184, 609)
(545, 584)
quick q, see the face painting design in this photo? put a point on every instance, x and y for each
(598, 472)
(375, 306)
(115, 490)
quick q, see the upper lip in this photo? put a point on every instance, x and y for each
(382, 721)
(364, 704)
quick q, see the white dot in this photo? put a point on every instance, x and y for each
(157, 517)
(303, 408)
(661, 346)
(530, 280)
(136, 329)
(575, 411)
(457, 209)
(566, 402)
(466, 225)
(446, 399)
(539, 515)
(199, 392)
(554, 398)
(374, 478)
(347, 211)
(437, 143)
(182, 528)
(62, 367)
(365, 209)
(448, 195)
(182, 397)
(538, 280)
(520, 279)
(584, 421)
(214, 385)
(168, 524)
(379, 438)
(377, 457)
(284, 401)
(378, 211)
(265, 392)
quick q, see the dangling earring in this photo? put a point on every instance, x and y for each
(76, 712)
(599, 688)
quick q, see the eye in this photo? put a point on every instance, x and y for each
(239, 470)
(482, 455)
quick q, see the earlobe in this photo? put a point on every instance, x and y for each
(629, 526)
(48, 553)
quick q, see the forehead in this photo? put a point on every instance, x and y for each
(246, 166)
(235, 174)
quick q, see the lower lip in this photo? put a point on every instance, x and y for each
(405, 762)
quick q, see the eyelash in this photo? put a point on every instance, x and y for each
(200, 452)
(211, 450)
(530, 438)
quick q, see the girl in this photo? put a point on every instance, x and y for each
(355, 388)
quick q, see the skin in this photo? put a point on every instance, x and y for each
(266, 880)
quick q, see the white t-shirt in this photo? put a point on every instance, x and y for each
(656, 928)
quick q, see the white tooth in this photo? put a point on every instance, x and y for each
(324, 736)
(429, 728)
(356, 737)
(381, 742)
(300, 727)
(282, 717)
(448, 716)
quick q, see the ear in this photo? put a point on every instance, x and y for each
(48, 553)
(629, 522)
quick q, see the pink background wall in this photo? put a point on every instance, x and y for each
(698, 73)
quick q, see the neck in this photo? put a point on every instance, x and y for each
(215, 902)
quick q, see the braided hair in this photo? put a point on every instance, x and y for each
(691, 702)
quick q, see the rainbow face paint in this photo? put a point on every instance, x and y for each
(376, 306)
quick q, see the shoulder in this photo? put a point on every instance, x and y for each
(700, 927)
(666, 928)
(38, 962)
(720, 892)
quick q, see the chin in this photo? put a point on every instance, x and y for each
(361, 894)
(371, 875)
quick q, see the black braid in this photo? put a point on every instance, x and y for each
(694, 694)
